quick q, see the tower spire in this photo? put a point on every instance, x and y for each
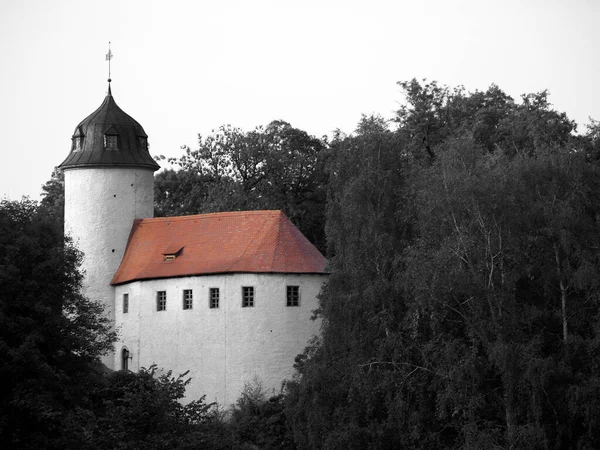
(109, 56)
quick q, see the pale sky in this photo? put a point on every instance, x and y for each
(186, 67)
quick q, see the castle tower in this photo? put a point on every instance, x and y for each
(109, 182)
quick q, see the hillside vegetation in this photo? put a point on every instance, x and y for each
(463, 240)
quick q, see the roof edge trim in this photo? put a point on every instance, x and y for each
(120, 283)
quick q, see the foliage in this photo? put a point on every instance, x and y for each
(178, 193)
(53, 198)
(145, 410)
(462, 307)
(51, 336)
(258, 422)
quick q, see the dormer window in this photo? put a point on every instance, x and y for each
(77, 140)
(143, 140)
(111, 142)
(172, 252)
(77, 143)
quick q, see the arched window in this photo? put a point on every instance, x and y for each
(124, 359)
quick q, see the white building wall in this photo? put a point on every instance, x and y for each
(225, 347)
(100, 206)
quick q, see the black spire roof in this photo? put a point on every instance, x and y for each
(109, 137)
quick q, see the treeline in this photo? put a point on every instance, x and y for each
(463, 240)
(462, 307)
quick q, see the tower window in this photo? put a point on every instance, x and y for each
(143, 142)
(161, 300)
(124, 359)
(247, 296)
(293, 296)
(213, 298)
(110, 142)
(188, 299)
(125, 303)
(77, 140)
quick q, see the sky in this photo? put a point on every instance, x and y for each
(181, 68)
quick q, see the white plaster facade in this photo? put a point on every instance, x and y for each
(222, 347)
(100, 206)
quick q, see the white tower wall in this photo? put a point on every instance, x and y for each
(100, 206)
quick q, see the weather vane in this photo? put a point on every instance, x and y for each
(109, 56)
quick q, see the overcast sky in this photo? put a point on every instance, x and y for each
(186, 67)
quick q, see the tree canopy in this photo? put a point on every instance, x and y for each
(51, 336)
(462, 307)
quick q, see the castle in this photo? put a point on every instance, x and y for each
(227, 296)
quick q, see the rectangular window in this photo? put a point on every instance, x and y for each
(188, 299)
(293, 296)
(76, 143)
(125, 303)
(213, 298)
(161, 300)
(110, 142)
(247, 296)
(143, 142)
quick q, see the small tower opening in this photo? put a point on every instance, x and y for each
(111, 142)
(124, 359)
(77, 140)
(143, 140)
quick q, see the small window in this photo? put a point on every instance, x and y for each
(110, 142)
(124, 359)
(161, 301)
(125, 303)
(77, 139)
(213, 298)
(247, 296)
(77, 143)
(143, 142)
(293, 296)
(188, 299)
(172, 252)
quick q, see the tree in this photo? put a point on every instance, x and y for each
(51, 336)
(340, 398)
(462, 307)
(53, 197)
(258, 422)
(145, 410)
(178, 193)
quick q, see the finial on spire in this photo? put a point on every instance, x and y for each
(109, 56)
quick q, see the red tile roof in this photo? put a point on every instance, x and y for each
(246, 241)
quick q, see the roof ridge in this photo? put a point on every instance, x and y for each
(209, 215)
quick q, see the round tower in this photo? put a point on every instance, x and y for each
(109, 182)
